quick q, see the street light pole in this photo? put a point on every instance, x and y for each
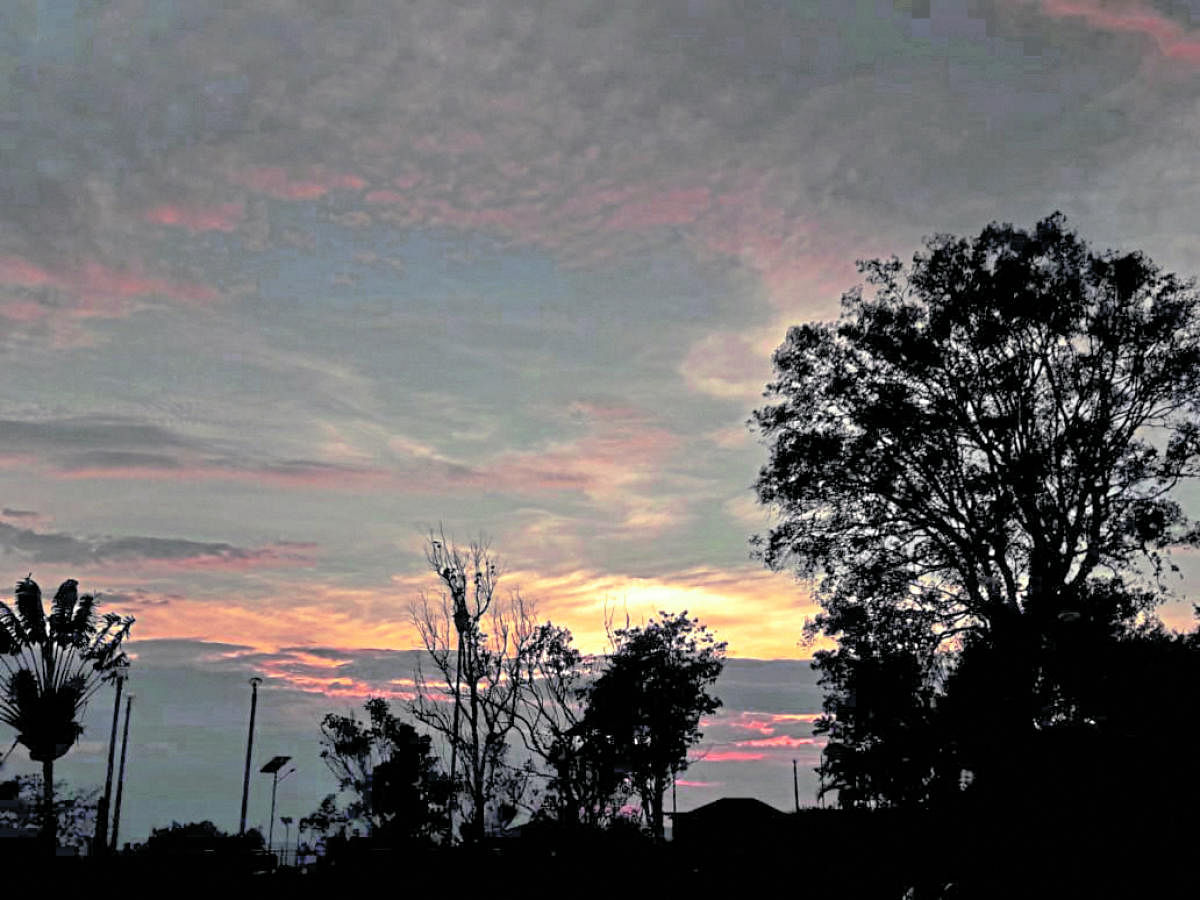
(100, 839)
(272, 768)
(254, 683)
(121, 776)
(271, 827)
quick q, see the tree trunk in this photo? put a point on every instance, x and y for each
(658, 789)
(49, 820)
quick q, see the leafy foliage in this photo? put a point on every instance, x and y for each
(52, 666)
(880, 715)
(644, 710)
(975, 463)
(585, 785)
(399, 794)
(194, 838)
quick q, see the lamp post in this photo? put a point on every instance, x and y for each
(272, 768)
(100, 839)
(254, 683)
(116, 825)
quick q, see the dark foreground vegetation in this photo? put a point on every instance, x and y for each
(1121, 852)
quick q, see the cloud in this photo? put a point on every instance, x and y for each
(716, 756)
(759, 613)
(98, 289)
(85, 432)
(218, 217)
(1167, 35)
(778, 740)
(765, 723)
(60, 548)
(311, 184)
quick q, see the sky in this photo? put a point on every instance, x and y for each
(284, 285)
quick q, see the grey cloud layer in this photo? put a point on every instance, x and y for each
(58, 547)
(501, 105)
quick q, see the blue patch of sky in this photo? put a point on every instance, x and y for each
(469, 316)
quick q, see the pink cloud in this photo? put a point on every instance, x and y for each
(1171, 39)
(278, 182)
(794, 717)
(24, 311)
(221, 217)
(729, 756)
(272, 557)
(384, 196)
(679, 207)
(619, 449)
(684, 782)
(101, 287)
(779, 740)
(766, 723)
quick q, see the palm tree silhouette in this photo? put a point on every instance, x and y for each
(52, 665)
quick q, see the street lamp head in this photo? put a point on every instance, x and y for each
(275, 764)
(255, 681)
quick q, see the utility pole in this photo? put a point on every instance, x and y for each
(100, 839)
(121, 776)
(254, 683)
(796, 785)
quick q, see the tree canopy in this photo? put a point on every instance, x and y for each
(984, 448)
(52, 664)
(644, 709)
(389, 768)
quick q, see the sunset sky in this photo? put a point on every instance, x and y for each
(283, 287)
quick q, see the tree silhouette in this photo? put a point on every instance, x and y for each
(644, 709)
(880, 717)
(52, 666)
(585, 786)
(472, 638)
(400, 796)
(987, 441)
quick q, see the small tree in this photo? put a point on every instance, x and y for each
(471, 638)
(74, 810)
(645, 708)
(584, 786)
(399, 794)
(52, 666)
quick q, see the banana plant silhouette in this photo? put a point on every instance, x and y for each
(52, 664)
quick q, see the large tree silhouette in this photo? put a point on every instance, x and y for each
(987, 440)
(52, 666)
